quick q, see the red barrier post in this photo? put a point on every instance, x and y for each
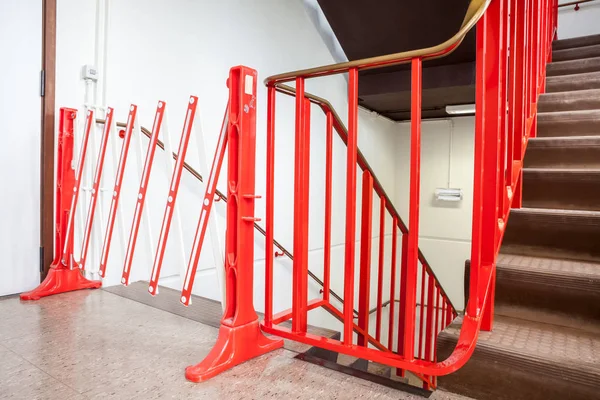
(328, 188)
(61, 278)
(95, 188)
(114, 204)
(172, 197)
(270, 205)
(365, 257)
(393, 285)
(413, 219)
(240, 338)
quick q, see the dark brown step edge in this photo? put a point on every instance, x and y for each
(566, 370)
(569, 123)
(577, 53)
(563, 142)
(575, 82)
(573, 218)
(573, 67)
(580, 41)
(566, 175)
(579, 100)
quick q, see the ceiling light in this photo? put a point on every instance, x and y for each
(460, 109)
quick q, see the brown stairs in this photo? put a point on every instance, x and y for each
(545, 343)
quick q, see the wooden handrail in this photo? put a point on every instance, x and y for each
(574, 3)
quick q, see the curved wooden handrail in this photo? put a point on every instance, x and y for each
(474, 12)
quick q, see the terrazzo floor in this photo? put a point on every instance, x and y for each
(97, 345)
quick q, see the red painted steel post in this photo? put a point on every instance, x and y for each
(270, 205)
(172, 196)
(95, 188)
(240, 338)
(365, 257)
(209, 199)
(517, 75)
(393, 284)
(301, 201)
(60, 277)
(382, 211)
(402, 308)
(114, 204)
(328, 187)
(429, 332)
(422, 311)
(494, 87)
(414, 199)
(67, 257)
(141, 198)
(352, 150)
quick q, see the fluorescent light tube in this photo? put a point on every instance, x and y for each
(460, 109)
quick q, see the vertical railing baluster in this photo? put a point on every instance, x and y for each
(270, 205)
(414, 199)
(328, 185)
(351, 157)
(429, 332)
(393, 284)
(365, 257)
(301, 201)
(422, 312)
(382, 211)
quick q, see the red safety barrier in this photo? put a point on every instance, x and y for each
(61, 277)
(141, 198)
(240, 337)
(172, 197)
(114, 204)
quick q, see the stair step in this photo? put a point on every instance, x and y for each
(563, 152)
(539, 232)
(568, 189)
(565, 83)
(581, 41)
(569, 123)
(576, 53)
(570, 101)
(560, 292)
(525, 360)
(573, 67)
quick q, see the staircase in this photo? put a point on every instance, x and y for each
(545, 343)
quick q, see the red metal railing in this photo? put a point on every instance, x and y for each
(506, 98)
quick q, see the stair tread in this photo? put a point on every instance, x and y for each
(570, 77)
(564, 141)
(577, 53)
(558, 68)
(569, 115)
(577, 171)
(575, 42)
(573, 94)
(555, 266)
(552, 349)
(556, 211)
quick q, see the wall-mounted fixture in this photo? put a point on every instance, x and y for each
(461, 109)
(448, 194)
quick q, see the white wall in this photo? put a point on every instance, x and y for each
(583, 22)
(21, 49)
(444, 227)
(167, 51)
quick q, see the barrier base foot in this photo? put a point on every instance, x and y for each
(60, 280)
(234, 346)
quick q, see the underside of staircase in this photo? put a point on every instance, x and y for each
(545, 343)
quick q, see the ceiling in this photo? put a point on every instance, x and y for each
(374, 28)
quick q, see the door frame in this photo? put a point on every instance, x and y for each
(48, 99)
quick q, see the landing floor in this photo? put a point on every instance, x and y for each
(98, 345)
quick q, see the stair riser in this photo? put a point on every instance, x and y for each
(566, 191)
(487, 377)
(568, 128)
(576, 53)
(562, 157)
(553, 301)
(568, 102)
(552, 236)
(574, 83)
(574, 67)
(575, 42)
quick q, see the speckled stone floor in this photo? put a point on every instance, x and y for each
(97, 345)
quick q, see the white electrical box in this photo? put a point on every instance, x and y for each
(89, 72)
